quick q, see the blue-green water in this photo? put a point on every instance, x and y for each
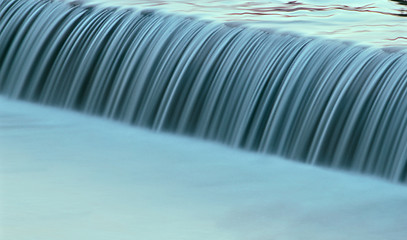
(378, 23)
(313, 100)
(318, 101)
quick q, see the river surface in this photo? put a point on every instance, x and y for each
(378, 23)
(61, 171)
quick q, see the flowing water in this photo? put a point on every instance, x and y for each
(314, 100)
(373, 22)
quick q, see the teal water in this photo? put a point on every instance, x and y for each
(378, 23)
(318, 101)
(66, 176)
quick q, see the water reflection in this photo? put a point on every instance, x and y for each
(373, 22)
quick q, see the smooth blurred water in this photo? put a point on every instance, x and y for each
(61, 171)
(313, 100)
(378, 23)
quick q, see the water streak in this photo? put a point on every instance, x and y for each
(313, 100)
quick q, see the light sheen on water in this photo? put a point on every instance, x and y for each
(313, 100)
(375, 22)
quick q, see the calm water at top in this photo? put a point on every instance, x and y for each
(375, 22)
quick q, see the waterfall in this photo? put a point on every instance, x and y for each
(318, 101)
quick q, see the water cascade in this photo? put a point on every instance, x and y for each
(314, 100)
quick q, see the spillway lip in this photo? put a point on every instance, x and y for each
(375, 23)
(233, 24)
(148, 11)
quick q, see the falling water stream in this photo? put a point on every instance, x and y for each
(310, 99)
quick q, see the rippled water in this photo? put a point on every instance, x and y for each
(379, 23)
